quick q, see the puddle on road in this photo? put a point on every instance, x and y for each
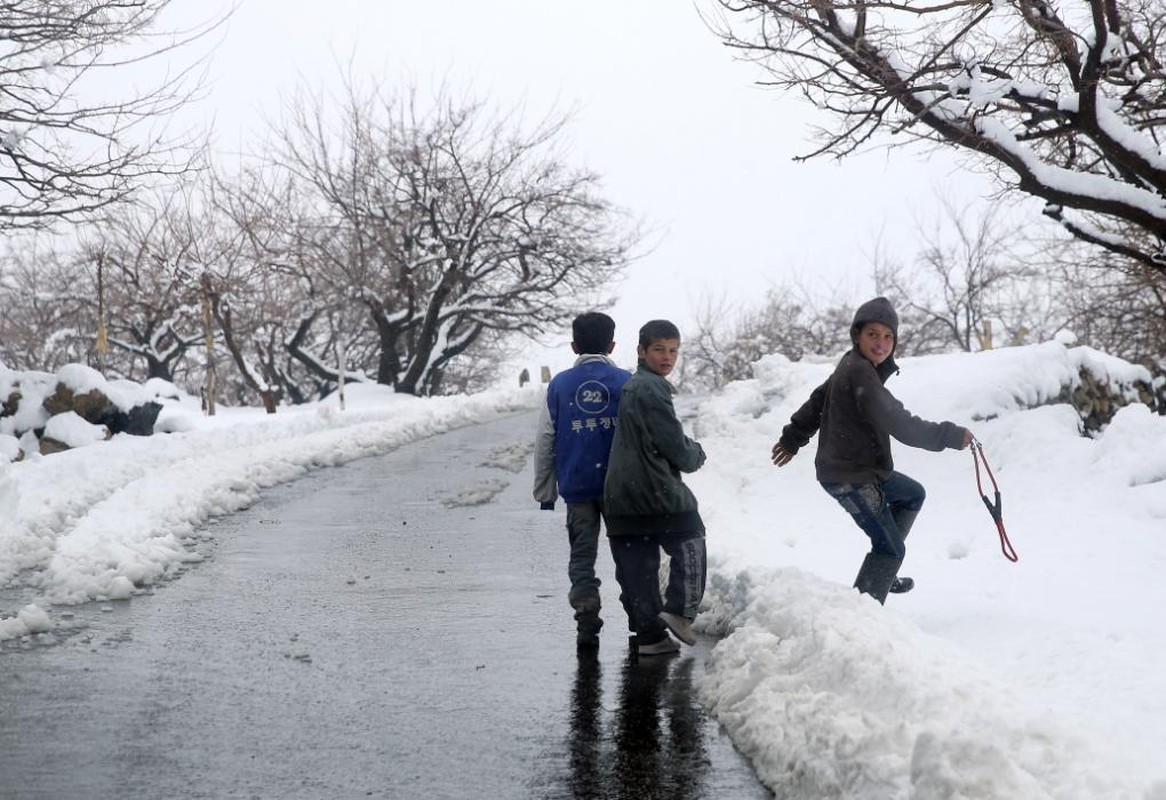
(636, 728)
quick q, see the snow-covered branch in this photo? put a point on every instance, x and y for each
(1066, 104)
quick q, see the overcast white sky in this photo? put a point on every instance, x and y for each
(678, 130)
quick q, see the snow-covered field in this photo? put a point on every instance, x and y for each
(1039, 679)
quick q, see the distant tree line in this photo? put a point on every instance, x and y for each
(377, 236)
(979, 279)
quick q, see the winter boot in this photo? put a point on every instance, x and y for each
(904, 521)
(877, 574)
(587, 622)
(901, 585)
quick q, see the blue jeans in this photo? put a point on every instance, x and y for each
(583, 536)
(885, 510)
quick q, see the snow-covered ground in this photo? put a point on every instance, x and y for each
(1039, 679)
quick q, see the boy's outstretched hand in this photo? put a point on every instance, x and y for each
(968, 438)
(781, 456)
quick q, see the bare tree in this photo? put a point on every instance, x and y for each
(704, 364)
(77, 131)
(47, 318)
(183, 289)
(141, 255)
(294, 252)
(191, 268)
(1065, 104)
(972, 271)
(477, 368)
(450, 222)
(255, 303)
(409, 245)
(1118, 308)
(789, 321)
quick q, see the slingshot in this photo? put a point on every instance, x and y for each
(993, 507)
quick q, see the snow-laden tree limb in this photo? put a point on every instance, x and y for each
(87, 89)
(1063, 101)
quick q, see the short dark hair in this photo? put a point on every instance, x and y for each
(657, 329)
(593, 332)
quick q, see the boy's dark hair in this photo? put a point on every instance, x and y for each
(657, 329)
(593, 332)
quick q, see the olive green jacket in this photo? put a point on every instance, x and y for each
(643, 493)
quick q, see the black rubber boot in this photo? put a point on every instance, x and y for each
(902, 585)
(904, 521)
(877, 574)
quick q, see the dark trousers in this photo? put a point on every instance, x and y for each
(885, 510)
(637, 569)
(583, 536)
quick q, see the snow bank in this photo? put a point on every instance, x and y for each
(991, 679)
(830, 696)
(79, 525)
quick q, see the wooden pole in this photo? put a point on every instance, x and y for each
(102, 344)
(342, 353)
(209, 332)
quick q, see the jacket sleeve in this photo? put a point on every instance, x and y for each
(805, 421)
(545, 486)
(668, 435)
(885, 411)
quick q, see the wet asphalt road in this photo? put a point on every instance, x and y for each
(394, 628)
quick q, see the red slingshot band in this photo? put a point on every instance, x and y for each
(993, 507)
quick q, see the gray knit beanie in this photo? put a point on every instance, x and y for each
(877, 310)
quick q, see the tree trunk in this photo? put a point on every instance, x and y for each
(388, 362)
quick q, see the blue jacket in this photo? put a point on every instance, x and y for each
(576, 428)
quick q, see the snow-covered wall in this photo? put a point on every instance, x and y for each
(42, 412)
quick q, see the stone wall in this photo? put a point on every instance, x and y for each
(47, 413)
(1097, 400)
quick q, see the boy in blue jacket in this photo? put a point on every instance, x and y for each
(572, 447)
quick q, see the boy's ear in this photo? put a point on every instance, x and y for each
(610, 348)
(574, 348)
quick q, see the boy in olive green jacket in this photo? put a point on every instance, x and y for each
(646, 505)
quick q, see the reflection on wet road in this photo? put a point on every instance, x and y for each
(394, 628)
(641, 733)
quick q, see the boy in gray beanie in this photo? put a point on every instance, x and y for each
(856, 417)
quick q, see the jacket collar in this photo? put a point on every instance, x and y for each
(642, 369)
(887, 368)
(587, 358)
(883, 370)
